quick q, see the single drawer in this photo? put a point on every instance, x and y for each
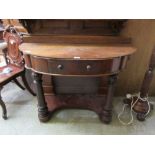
(83, 67)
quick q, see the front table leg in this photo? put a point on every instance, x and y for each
(3, 106)
(106, 114)
(43, 112)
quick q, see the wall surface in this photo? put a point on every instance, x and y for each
(142, 33)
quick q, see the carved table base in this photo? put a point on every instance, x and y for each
(81, 57)
(90, 102)
(47, 104)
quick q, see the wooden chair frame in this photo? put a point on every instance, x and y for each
(13, 56)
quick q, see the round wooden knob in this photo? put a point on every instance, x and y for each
(88, 67)
(60, 67)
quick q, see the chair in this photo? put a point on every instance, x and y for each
(15, 61)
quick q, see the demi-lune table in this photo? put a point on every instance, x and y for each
(76, 60)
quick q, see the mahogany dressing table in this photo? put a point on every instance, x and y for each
(76, 57)
(75, 63)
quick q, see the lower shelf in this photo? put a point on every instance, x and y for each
(92, 102)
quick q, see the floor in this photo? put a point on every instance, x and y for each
(22, 118)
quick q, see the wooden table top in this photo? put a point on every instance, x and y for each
(81, 51)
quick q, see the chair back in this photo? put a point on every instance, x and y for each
(13, 39)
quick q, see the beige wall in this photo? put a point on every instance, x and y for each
(142, 33)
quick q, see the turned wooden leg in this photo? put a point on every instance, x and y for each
(3, 107)
(18, 84)
(106, 114)
(43, 112)
(27, 85)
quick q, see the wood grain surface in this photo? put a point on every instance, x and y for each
(76, 51)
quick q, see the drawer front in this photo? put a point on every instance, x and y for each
(83, 67)
(74, 67)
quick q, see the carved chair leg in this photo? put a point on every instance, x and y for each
(3, 107)
(106, 114)
(43, 112)
(27, 85)
(18, 84)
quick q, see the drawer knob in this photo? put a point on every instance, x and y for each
(88, 67)
(60, 67)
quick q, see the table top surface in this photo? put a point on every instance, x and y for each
(81, 51)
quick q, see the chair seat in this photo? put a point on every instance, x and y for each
(4, 78)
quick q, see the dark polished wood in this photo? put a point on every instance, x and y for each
(43, 113)
(77, 60)
(75, 39)
(58, 62)
(73, 67)
(106, 114)
(14, 60)
(89, 32)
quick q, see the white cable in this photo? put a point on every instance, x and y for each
(131, 109)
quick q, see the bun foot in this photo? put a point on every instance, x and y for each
(141, 117)
(44, 115)
(106, 117)
(44, 118)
